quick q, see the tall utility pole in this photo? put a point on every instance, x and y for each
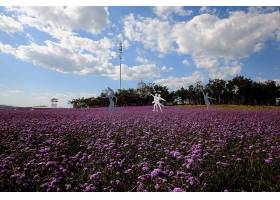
(121, 57)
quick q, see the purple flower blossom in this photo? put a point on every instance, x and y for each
(268, 161)
(178, 190)
(191, 180)
(132, 150)
(157, 186)
(190, 163)
(175, 154)
(156, 172)
(67, 186)
(128, 171)
(145, 168)
(95, 176)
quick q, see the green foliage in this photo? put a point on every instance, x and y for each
(240, 90)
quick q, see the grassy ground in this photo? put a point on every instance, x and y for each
(225, 106)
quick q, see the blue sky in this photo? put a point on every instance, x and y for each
(70, 52)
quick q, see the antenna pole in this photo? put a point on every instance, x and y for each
(121, 57)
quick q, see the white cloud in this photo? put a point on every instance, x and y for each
(205, 61)
(82, 56)
(261, 9)
(278, 35)
(153, 33)
(165, 12)
(277, 81)
(7, 49)
(178, 82)
(207, 9)
(260, 79)
(147, 70)
(9, 25)
(166, 69)
(144, 71)
(217, 67)
(71, 55)
(29, 37)
(258, 47)
(216, 44)
(57, 19)
(185, 62)
(142, 60)
(234, 37)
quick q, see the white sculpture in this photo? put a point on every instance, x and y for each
(111, 97)
(206, 99)
(157, 103)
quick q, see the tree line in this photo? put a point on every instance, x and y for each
(239, 90)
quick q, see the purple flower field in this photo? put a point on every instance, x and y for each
(134, 149)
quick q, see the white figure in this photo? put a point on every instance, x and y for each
(157, 103)
(111, 98)
(206, 99)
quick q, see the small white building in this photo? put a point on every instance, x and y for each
(54, 102)
(277, 101)
(178, 100)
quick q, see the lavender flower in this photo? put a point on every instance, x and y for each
(132, 150)
(156, 172)
(178, 190)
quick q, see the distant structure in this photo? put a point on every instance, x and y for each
(277, 101)
(178, 100)
(39, 107)
(54, 102)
